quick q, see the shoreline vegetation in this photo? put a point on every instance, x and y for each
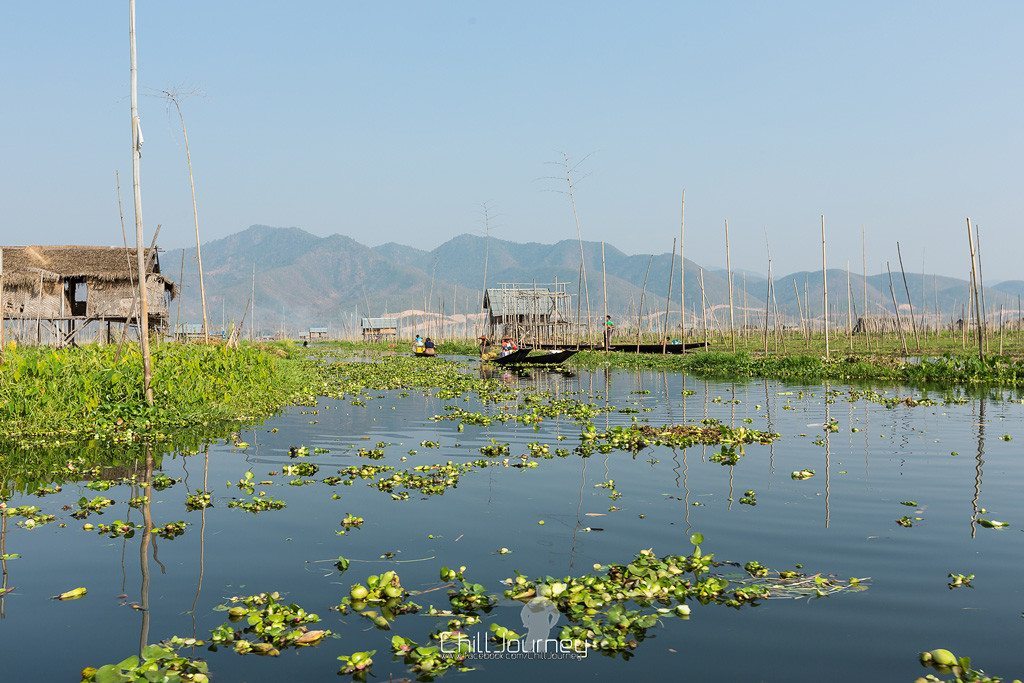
(49, 396)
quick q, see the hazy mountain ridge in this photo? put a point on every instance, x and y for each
(302, 280)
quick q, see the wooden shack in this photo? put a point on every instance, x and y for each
(318, 333)
(529, 313)
(379, 329)
(57, 292)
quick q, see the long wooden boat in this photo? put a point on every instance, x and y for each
(637, 348)
(511, 359)
(523, 357)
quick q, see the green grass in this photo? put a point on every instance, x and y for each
(49, 395)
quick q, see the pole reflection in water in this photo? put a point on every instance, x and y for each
(828, 455)
(147, 529)
(978, 464)
(3, 562)
(202, 540)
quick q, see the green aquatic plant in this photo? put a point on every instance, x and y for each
(357, 664)
(271, 625)
(256, 504)
(158, 664)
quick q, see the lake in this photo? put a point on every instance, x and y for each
(841, 522)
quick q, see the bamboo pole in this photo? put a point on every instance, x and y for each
(728, 271)
(800, 312)
(604, 282)
(181, 284)
(147, 370)
(849, 308)
(1000, 324)
(579, 236)
(195, 214)
(703, 307)
(746, 307)
(668, 297)
(864, 284)
(974, 279)
(643, 295)
(768, 290)
(682, 270)
(979, 282)
(824, 284)
(899, 322)
(913, 322)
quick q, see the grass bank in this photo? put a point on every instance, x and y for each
(52, 395)
(945, 370)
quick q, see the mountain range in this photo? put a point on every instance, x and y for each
(299, 280)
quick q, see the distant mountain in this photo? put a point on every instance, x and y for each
(303, 280)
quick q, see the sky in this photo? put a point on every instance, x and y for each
(396, 121)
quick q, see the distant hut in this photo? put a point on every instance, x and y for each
(528, 312)
(62, 290)
(379, 329)
(318, 333)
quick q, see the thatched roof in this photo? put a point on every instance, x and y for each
(22, 266)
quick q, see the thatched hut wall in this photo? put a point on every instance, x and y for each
(24, 301)
(81, 282)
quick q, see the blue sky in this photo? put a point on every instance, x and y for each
(395, 121)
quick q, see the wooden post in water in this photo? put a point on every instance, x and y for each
(181, 285)
(668, 297)
(604, 321)
(728, 271)
(895, 306)
(768, 290)
(1000, 323)
(849, 308)
(800, 312)
(974, 280)
(147, 370)
(824, 284)
(643, 295)
(682, 271)
(913, 322)
(979, 282)
(195, 213)
(864, 312)
(703, 308)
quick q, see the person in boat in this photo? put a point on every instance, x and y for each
(428, 347)
(506, 346)
(609, 330)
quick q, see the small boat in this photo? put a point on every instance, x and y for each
(513, 358)
(423, 352)
(522, 357)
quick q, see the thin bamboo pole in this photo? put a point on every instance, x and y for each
(896, 308)
(643, 295)
(849, 308)
(195, 215)
(147, 370)
(682, 270)
(913, 321)
(974, 279)
(604, 281)
(579, 236)
(728, 271)
(703, 307)
(824, 284)
(980, 284)
(668, 297)
(864, 311)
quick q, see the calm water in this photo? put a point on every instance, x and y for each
(842, 521)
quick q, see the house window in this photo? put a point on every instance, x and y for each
(81, 293)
